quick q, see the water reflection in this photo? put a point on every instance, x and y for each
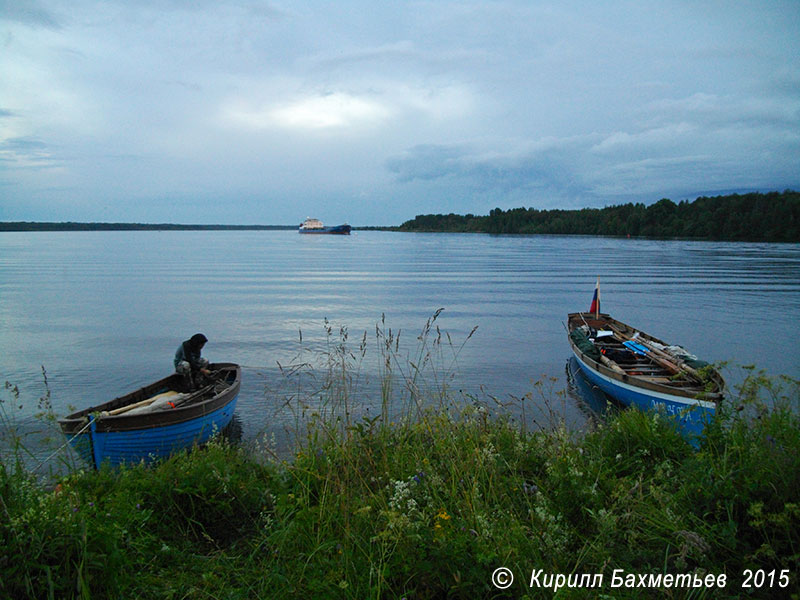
(233, 430)
(590, 399)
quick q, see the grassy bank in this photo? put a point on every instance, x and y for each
(427, 506)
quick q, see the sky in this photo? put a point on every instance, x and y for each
(266, 112)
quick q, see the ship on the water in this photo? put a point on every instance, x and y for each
(315, 226)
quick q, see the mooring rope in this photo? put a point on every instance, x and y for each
(64, 445)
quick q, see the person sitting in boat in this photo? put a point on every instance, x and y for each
(189, 362)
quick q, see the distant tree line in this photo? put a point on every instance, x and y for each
(770, 217)
(73, 226)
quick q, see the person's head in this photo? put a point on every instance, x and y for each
(198, 340)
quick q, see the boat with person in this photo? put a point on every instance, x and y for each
(640, 370)
(315, 226)
(156, 420)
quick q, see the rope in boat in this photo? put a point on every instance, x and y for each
(64, 445)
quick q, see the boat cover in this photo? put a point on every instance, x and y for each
(585, 345)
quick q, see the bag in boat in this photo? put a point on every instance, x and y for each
(164, 401)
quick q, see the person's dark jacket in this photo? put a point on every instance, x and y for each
(190, 351)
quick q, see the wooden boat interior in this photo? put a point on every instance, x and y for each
(641, 366)
(653, 366)
(223, 376)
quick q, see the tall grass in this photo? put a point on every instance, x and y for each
(423, 500)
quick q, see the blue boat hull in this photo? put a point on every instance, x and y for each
(338, 230)
(648, 381)
(691, 415)
(100, 437)
(119, 447)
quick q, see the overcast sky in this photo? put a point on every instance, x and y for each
(265, 112)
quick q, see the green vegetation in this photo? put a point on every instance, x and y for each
(424, 502)
(772, 217)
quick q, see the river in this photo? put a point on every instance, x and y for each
(101, 313)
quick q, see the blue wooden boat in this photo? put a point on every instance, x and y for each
(315, 226)
(156, 420)
(640, 370)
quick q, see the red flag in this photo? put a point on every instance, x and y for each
(595, 307)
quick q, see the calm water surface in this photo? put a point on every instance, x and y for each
(103, 312)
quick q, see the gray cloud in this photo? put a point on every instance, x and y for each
(26, 154)
(28, 12)
(22, 145)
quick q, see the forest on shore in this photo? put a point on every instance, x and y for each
(761, 217)
(753, 217)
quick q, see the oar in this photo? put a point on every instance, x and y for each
(643, 343)
(148, 401)
(656, 355)
(680, 363)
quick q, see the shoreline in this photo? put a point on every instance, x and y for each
(428, 507)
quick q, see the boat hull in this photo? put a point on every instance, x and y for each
(117, 440)
(692, 415)
(119, 447)
(337, 230)
(692, 409)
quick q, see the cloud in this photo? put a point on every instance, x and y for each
(785, 82)
(25, 152)
(327, 111)
(549, 170)
(700, 142)
(367, 110)
(428, 162)
(28, 12)
(712, 110)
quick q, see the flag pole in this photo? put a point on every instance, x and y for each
(597, 308)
